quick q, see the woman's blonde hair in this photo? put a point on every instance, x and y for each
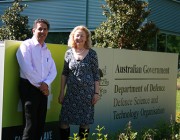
(88, 43)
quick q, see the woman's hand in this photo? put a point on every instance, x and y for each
(61, 98)
(95, 98)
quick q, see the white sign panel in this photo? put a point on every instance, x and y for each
(136, 86)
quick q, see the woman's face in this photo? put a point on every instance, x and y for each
(80, 38)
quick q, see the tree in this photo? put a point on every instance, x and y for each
(15, 25)
(126, 25)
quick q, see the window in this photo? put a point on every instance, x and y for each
(176, 0)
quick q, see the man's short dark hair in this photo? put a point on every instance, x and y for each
(41, 20)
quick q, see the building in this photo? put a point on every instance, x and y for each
(166, 15)
(64, 15)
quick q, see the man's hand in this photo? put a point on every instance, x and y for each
(44, 88)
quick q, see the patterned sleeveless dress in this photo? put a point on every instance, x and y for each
(77, 108)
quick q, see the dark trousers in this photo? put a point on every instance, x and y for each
(34, 105)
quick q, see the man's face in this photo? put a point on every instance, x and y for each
(40, 32)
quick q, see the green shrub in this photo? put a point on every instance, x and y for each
(163, 131)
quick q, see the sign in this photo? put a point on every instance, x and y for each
(135, 86)
(12, 128)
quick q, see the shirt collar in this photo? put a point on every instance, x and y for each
(36, 43)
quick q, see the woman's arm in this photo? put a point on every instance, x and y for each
(62, 86)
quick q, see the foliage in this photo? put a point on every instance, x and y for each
(173, 43)
(75, 137)
(126, 25)
(129, 134)
(99, 135)
(15, 25)
(163, 131)
(149, 134)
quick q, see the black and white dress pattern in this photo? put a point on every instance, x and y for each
(77, 108)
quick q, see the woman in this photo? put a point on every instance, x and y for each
(81, 75)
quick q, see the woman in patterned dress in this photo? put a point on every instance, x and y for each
(81, 78)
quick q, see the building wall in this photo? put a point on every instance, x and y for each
(166, 15)
(66, 14)
(63, 14)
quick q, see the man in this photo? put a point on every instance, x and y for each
(37, 71)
